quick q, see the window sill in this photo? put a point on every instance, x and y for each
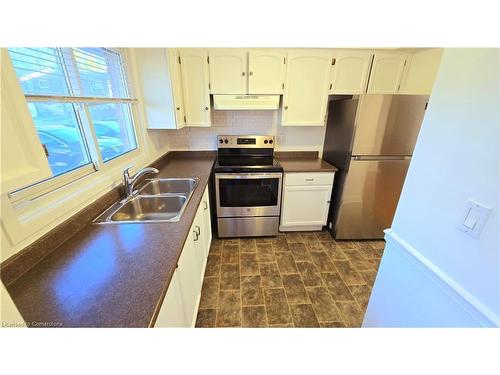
(41, 214)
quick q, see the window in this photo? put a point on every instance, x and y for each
(80, 101)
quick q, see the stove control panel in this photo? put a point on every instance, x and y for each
(245, 141)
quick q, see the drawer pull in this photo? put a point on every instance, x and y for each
(196, 236)
(198, 231)
(205, 205)
(309, 179)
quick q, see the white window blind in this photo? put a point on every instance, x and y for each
(78, 73)
(80, 100)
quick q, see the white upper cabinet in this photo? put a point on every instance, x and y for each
(350, 71)
(420, 73)
(387, 70)
(228, 71)
(266, 71)
(195, 89)
(174, 65)
(23, 158)
(306, 87)
(161, 87)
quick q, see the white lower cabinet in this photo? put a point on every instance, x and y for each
(306, 200)
(180, 306)
(172, 312)
(207, 222)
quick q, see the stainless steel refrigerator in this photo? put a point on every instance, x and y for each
(370, 138)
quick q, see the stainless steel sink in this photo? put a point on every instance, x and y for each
(159, 186)
(159, 200)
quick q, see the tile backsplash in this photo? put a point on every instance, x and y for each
(301, 138)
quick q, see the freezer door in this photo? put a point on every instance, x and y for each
(370, 196)
(388, 124)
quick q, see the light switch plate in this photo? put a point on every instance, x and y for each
(474, 218)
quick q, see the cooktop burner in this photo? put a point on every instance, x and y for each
(250, 153)
(233, 164)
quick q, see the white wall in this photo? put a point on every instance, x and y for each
(247, 122)
(456, 157)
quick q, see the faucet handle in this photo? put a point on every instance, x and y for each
(126, 172)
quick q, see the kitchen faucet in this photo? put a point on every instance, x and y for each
(129, 182)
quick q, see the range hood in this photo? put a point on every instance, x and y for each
(248, 102)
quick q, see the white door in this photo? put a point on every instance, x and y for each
(194, 73)
(228, 71)
(172, 312)
(386, 73)
(307, 85)
(207, 222)
(189, 278)
(420, 72)
(199, 235)
(23, 158)
(176, 82)
(266, 71)
(305, 205)
(350, 72)
(159, 72)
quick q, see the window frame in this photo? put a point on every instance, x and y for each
(36, 190)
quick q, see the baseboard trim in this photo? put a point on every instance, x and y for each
(300, 228)
(477, 309)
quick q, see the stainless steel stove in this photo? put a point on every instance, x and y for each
(248, 184)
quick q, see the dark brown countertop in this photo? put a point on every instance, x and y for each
(112, 275)
(303, 162)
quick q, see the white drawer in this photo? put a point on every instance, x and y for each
(309, 178)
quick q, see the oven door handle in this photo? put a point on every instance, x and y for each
(235, 176)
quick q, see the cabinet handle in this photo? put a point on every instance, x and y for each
(178, 108)
(205, 204)
(309, 179)
(196, 236)
(198, 230)
(328, 202)
(243, 74)
(286, 107)
(250, 73)
(206, 108)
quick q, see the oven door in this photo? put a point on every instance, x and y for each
(248, 194)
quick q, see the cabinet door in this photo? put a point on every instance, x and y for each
(228, 71)
(420, 72)
(386, 73)
(172, 312)
(189, 279)
(161, 89)
(305, 205)
(198, 234)
(266, 71)
(306, 88)
(350, 72)
(207, 222)
(176, 82)
(194, 73)
(23, 158)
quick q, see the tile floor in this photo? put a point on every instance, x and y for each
(298, 279)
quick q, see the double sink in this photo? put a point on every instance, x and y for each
(159, 200)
